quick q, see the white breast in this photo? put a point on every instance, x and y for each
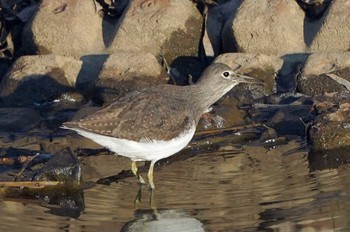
(145, 149)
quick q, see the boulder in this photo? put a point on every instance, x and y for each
(272, 27)
(329, 137)
(331, 32)
(38, 80)
(170, 28)
(67, 27)
(325, 73)
(124, 72)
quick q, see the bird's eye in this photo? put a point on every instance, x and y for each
(226, 74)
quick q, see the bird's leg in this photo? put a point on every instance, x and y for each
(150, 175)
(152, 203)
(136, 173)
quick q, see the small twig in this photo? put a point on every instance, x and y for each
(307, 127)
(165, 64)
(29, 184)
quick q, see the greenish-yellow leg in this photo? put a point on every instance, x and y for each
(150, 175)
(135, 171)
(153, 205)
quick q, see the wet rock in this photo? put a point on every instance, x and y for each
(63, 166)
(268, 26)
(331, 32)
(125, 72)
(291, 120)
(224, 114)
(329, 137)
(39, 80)
(286, 114)
(331, 130)
(67, 27)
(325, 73)
(38, 173)
(341, 115)
(262, 67)
(172, 28)
(18, 119)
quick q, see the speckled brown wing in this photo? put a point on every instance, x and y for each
(139, 116)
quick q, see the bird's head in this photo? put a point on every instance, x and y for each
(221, 76)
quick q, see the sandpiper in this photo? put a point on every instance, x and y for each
(156, 123)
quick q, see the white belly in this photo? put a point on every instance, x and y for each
(151, 150)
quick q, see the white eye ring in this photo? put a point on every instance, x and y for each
(226, 74)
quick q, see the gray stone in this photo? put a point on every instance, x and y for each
(124, 72)
(325, 73)
(330, 33)
(271, 27)
(171, 28)
(329, 135)
(37, 80)
(67, 27)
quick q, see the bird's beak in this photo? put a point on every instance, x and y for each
(249, 80)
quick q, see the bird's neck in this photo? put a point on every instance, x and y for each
(203, 96)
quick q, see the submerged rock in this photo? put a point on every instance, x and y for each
(64, 166)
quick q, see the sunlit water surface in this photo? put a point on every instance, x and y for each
(256, 189)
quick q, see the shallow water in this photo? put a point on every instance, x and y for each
(247, 188)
